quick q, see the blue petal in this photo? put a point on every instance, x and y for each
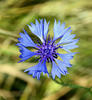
(55, 70)
(70, 46)
(59, 30)
(62, 66)
(25, 53)
(36, 70)
(67, 57)
(46, 26)
(40, 29)
(65, 37)
(25, 40)
(68, 38)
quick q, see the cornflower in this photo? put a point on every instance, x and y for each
(46, 50)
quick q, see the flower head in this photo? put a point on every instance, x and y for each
(47, 49)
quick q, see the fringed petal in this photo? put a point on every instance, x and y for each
(25, 40)
(70, 46)
(25, 54)
(36, 70)
(62, 66)
(40, 29)
(59, 30)
(66, 58)
(55, 70)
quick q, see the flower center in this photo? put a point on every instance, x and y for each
(47, 51)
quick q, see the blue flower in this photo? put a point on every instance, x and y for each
(47, 49)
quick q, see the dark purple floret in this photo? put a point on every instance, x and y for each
(47, 50)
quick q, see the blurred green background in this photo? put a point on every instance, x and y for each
(17, 85)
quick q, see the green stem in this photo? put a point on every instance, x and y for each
(73, 85)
